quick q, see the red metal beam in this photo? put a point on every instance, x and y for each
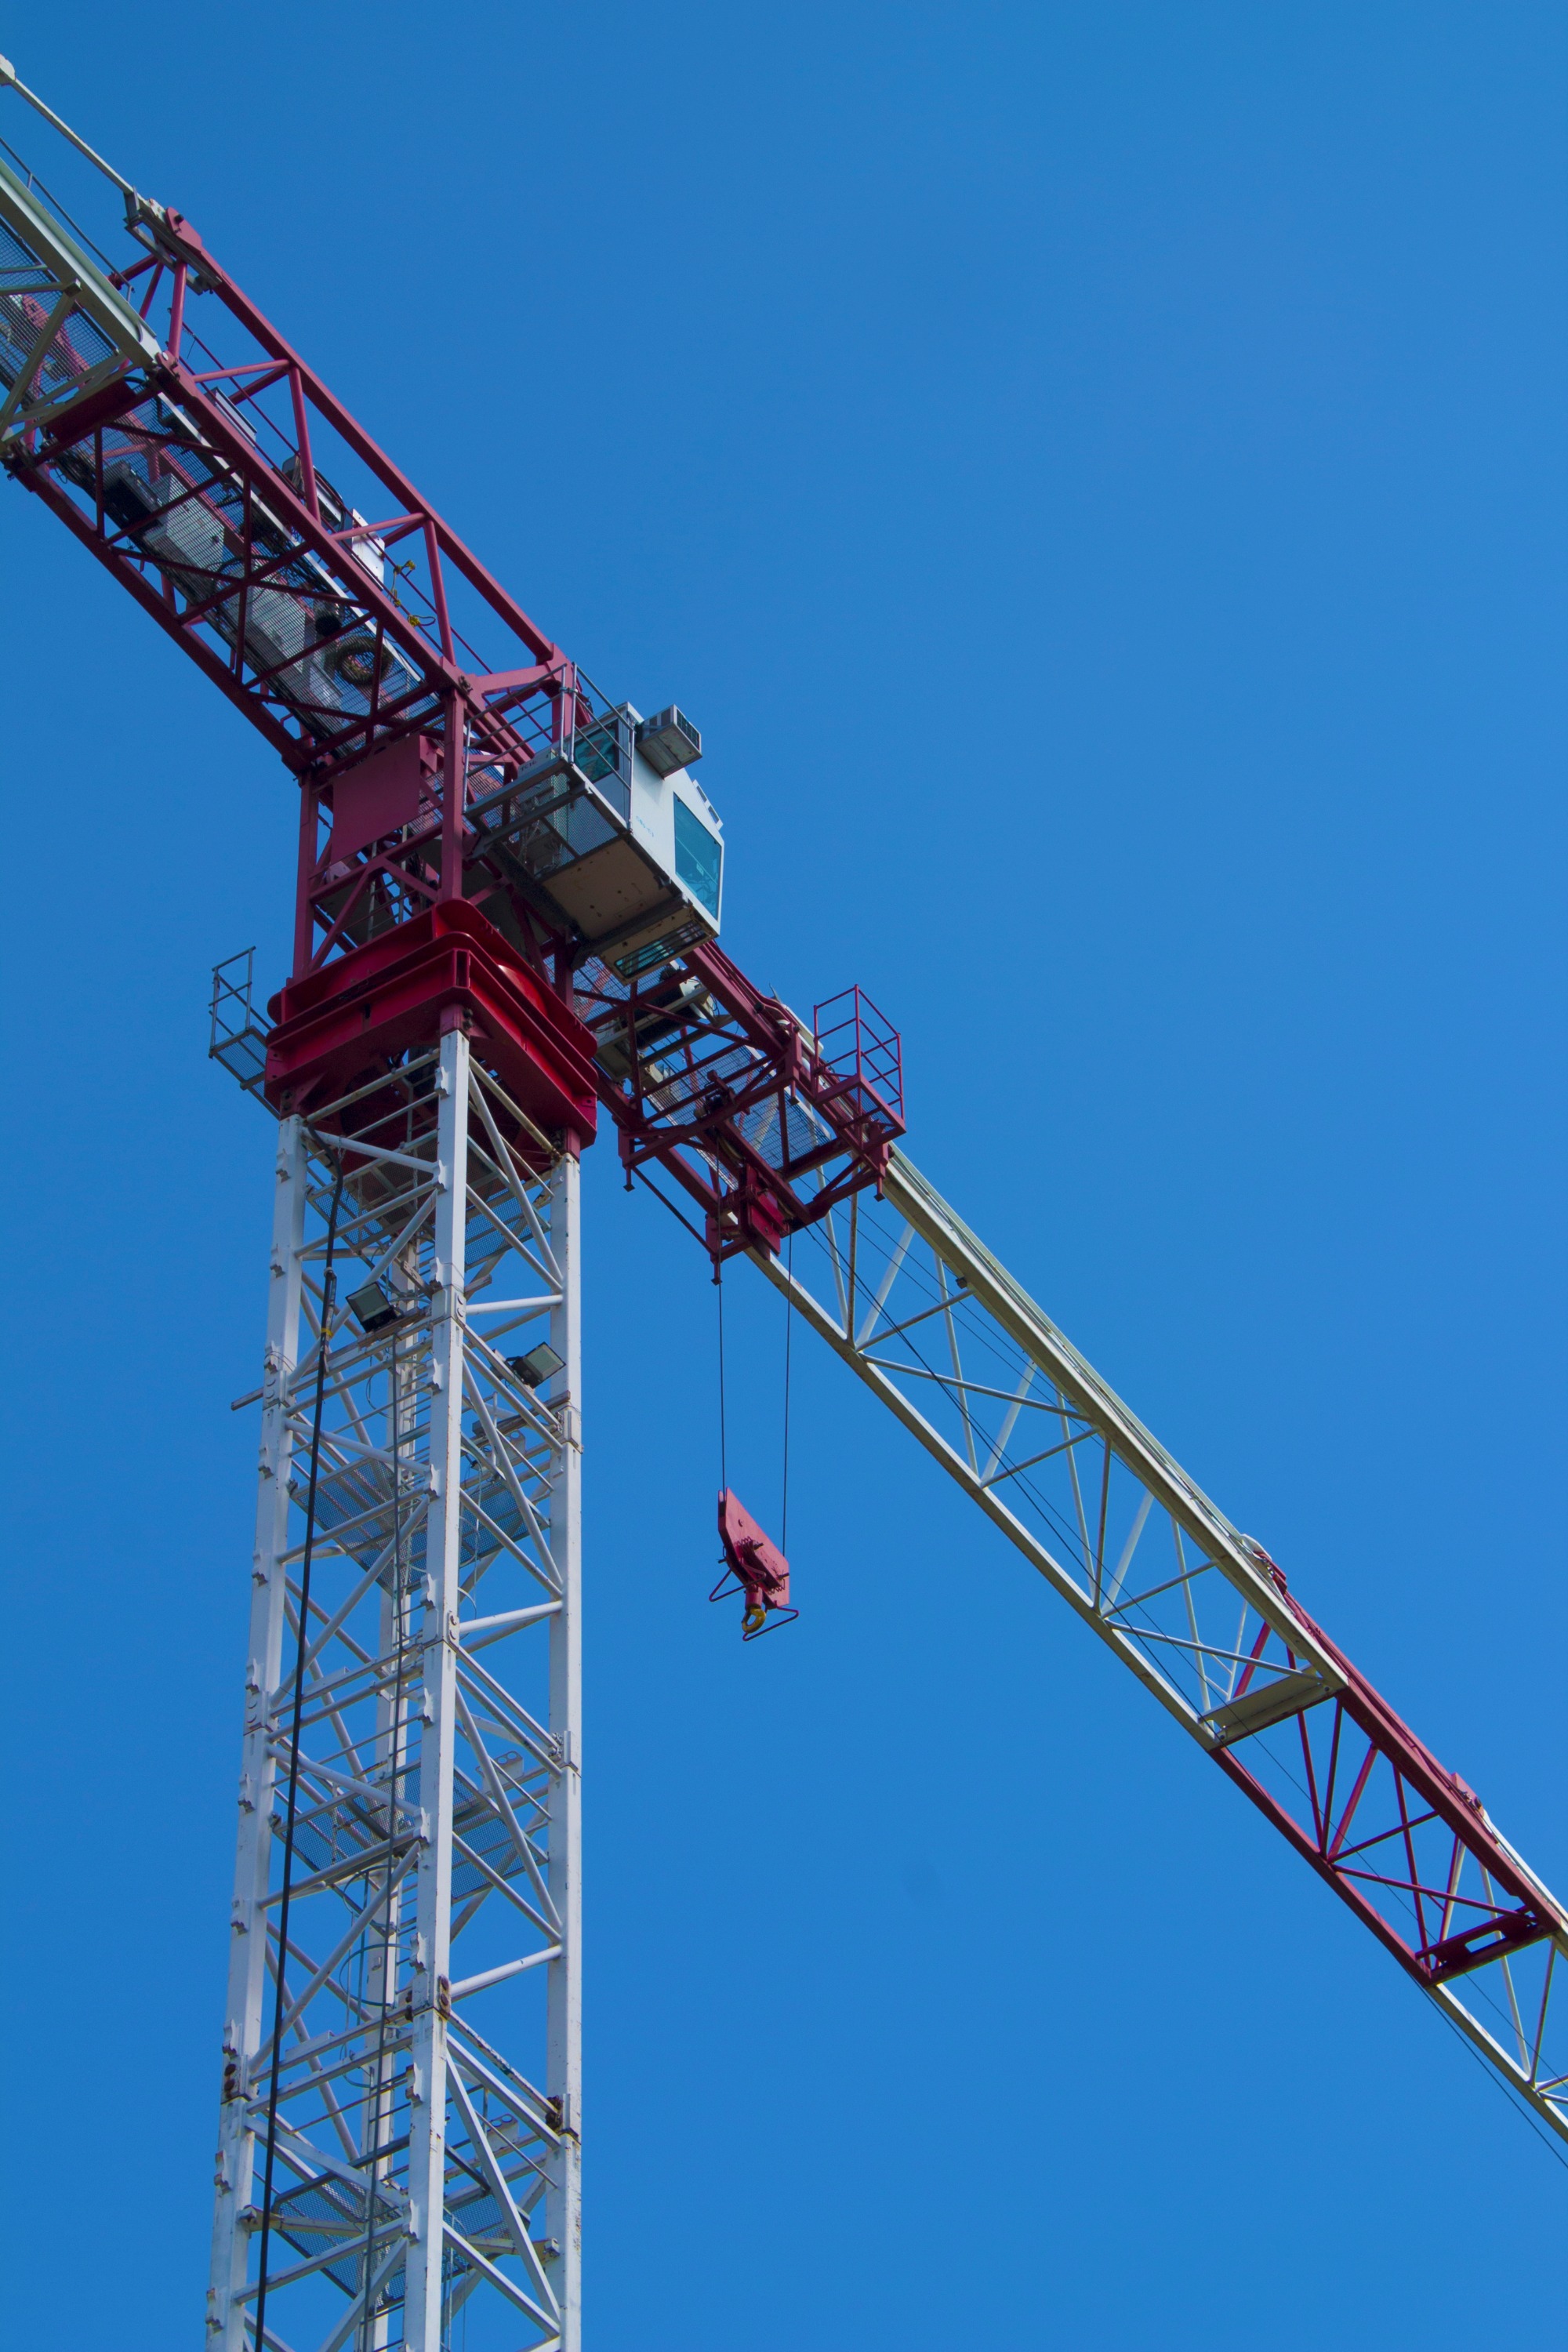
(187, 243)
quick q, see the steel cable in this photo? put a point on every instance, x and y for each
(723, 1449)
(789, 1328)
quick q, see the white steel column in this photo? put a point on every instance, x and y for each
(564, 2077)
(248, 1931)
(432, 1961)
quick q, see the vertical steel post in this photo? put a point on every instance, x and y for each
(432, 1979)
(395, 1707)
(248, 1975)
(564, 2027)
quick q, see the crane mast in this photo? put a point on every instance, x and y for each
(508, 903)
(412, 1742)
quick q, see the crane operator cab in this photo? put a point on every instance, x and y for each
(610, 829)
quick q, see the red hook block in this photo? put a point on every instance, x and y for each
(760, 1569)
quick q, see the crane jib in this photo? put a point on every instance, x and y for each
(938, 1329)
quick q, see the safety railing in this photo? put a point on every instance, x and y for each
(238, 1039)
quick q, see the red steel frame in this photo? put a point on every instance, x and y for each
(181, 257)
(734, 1099)
(1390, 1830)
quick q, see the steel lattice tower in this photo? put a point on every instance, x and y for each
(426, 2101)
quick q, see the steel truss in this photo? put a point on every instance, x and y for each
(419, 2124)
(202, 483)
(937, 1328)
(762, 1123)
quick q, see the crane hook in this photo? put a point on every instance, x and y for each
(760, 1569)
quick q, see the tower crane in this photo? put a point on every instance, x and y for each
(508, 907)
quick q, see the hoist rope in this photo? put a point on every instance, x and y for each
(789, 1328)
(723, 1449)
(329, 1291)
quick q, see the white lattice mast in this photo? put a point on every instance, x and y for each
(423, 2111)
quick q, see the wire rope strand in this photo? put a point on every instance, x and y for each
(789, 1329)
(723, 1440)
(1515, 2098)
(291, 1806)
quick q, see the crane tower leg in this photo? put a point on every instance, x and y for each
(431, 2003)
(399, 2137)
(247, 1952)
(565, 2078)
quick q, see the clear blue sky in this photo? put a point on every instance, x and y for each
(1096, 474)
